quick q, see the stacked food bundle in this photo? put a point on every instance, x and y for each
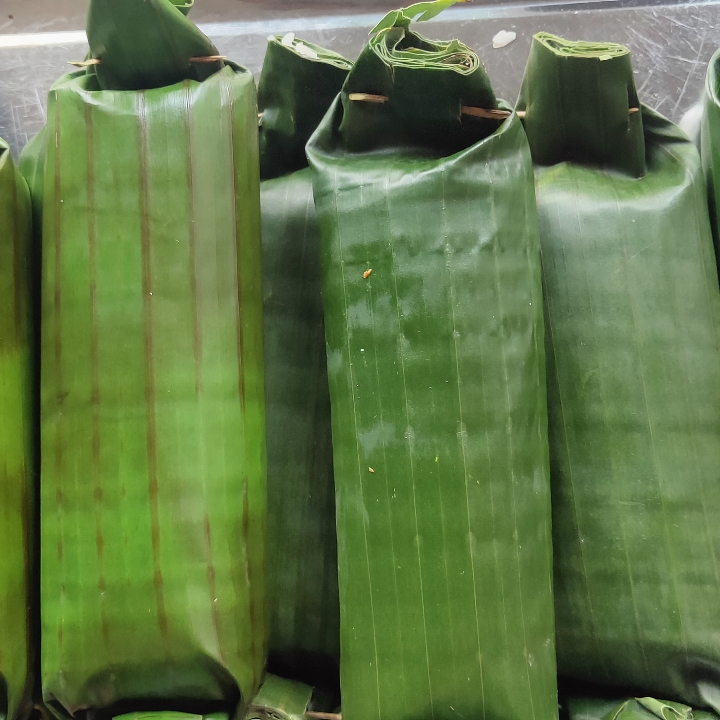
(372, 382)
(433, 311)
(632, 313)
(153, 499)
(299, 80)
(18, 446)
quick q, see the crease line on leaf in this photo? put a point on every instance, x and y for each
(511, 449)
(357, 446)
(656, 465)
(410, 450)
(534, 271)
(613, 471)
(558, 82)
(462, 441)
(387, 486)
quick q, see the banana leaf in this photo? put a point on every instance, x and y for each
(170, 715)
(294, 92)
(433, 321)
(710, 145)
(152, 398)
(632, 709)
(632, 311)
(280, 699)
(142, 44)
(298, 82)
(18, 471)
(32, 168)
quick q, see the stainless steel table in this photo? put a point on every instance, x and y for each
(671, 46)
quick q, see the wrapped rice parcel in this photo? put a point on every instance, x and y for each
(299, 80)
(433, 312)
(18, 467)
(642, 708)
(632, 318)
(153, 422)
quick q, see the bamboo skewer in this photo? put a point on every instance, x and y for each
(367, 97)
(465, 110)
(488, 114)
(201, 59)
(208, 58)
(85, 63)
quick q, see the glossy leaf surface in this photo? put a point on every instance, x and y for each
(294, 93)
(153, 423)
(17, 446)
(632, 318)
(431, 290)
(424, 79)
(578, 97)
(143, 44)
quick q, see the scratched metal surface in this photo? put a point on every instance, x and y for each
(671, 46)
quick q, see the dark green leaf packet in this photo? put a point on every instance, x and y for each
(433, 313)
(18, 451)
(299, 80)
(632, 319)
(152, 398)
(634, 709)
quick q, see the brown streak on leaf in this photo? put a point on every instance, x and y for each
(153, 489)
(238, 281)
(248, 569)
(197, 344)
(212, 585)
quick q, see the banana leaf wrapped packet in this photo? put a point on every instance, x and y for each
(278, 699)
(632, 316)
(434, 330)
(641, 708)
(18, 458)
(152, 398)
(299, 80)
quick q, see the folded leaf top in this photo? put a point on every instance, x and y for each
(144, 44)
